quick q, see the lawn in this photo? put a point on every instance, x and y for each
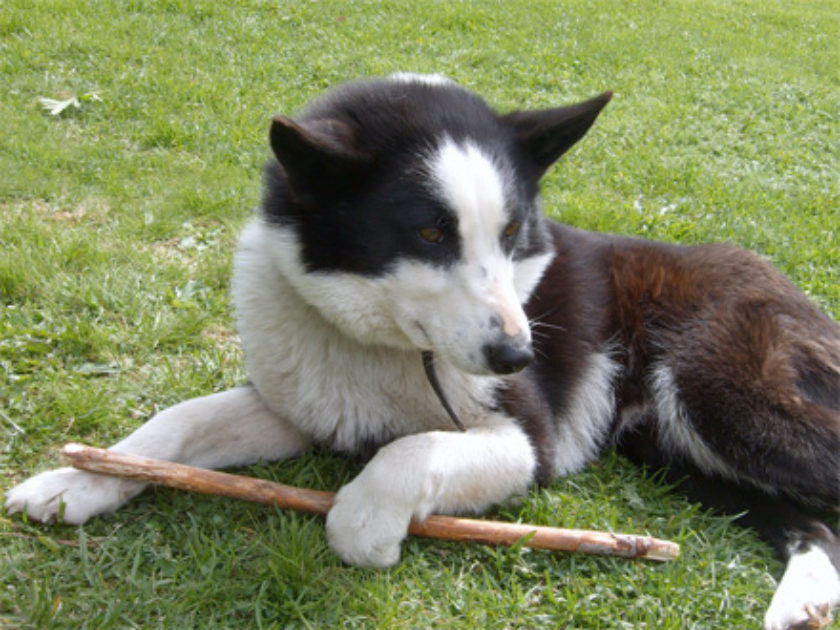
(118, 216)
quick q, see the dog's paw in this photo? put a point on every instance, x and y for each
(809, 589)
(364, 529)
(802, 617)
(71, 495)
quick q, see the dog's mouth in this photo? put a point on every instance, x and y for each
(500, 358)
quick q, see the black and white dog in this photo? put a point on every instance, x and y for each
(401, 252)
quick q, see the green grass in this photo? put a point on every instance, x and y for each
(118, 219)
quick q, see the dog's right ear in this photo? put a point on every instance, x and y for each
(312, 150)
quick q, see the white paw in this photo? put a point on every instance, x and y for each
(808, 591)
(73, 495)
(803, 616)
(364, 528)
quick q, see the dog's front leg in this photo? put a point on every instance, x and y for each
(225, 429)
(414, 476)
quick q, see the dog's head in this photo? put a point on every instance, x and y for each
(406, 212)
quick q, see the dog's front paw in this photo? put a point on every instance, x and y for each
(71, 495)
(809, 589)
(364, 529)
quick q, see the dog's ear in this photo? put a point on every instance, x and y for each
(311, 150)
(547, 134)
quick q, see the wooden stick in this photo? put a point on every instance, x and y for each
(319, 502)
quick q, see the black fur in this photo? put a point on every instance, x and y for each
(755, 365)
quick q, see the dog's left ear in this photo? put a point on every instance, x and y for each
(547, 134)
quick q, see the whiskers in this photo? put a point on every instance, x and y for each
(541, 330)
(537, 324)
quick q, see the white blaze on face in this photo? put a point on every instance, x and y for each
(473, 187)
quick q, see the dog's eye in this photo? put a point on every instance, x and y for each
(431, 234)
(512, 229)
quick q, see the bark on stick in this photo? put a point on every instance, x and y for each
(318, 502)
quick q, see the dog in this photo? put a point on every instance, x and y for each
(400, 292)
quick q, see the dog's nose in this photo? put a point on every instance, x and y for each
(507, 358)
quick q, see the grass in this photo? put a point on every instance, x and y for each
(118, 219)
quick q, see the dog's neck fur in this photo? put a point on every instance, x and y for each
(343, 392)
